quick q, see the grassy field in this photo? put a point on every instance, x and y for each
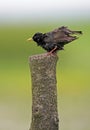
(73, 77)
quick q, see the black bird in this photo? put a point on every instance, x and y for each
(56, 39)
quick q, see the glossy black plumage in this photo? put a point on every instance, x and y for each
(56, 39)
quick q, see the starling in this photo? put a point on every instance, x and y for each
(56, 39)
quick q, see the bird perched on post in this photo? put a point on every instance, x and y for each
(56, 39)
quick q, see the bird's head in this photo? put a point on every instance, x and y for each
(37, 37)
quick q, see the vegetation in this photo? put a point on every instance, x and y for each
(73, 69)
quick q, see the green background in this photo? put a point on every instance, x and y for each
(73, 76)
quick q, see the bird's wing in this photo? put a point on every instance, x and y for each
(59, 35)
(54, 37)
(62, 35)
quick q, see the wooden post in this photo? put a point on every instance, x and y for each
(44, 92)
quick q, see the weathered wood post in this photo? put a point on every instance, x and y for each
(44, 92)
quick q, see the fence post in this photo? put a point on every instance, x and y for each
(44, 92)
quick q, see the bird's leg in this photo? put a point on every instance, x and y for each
(51, 52)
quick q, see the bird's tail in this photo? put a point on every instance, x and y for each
(68, 31)
(77, 32)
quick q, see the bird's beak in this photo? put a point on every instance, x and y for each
(29, 39)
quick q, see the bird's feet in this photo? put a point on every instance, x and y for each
(50, 53)
(53, 51)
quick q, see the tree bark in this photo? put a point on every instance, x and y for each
(44, 92)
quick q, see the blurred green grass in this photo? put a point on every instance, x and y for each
(15, 50)
(73, 73)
